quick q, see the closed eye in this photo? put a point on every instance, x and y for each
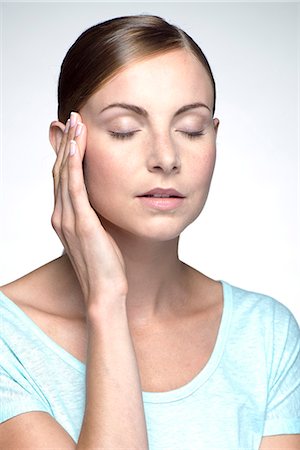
(129, 134)
(192, 134)
(118, 135)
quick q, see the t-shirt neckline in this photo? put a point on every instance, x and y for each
(211, 365)
(148, 397)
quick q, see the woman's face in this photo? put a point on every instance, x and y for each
(157, 152)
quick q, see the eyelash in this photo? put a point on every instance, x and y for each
(117, 135)
(192, 135)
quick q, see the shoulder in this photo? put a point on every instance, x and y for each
(265, 322)
(26, 290)
(263, 345)
(250, 304)
(27, 296)
(46, 303)
(51, 289)
(50, 298)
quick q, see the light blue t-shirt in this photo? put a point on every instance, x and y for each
(249, 388)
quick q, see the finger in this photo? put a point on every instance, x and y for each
(60, 154)
(80, 135)
(63, 216)
(57, 214)
(56, 218)
(76, 186)
(63, 219)
(63, 142)
(70, 136)
(66, 205)
(67, 211)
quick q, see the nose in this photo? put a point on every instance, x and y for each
(163, 156)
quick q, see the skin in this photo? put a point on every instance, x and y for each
(159, 155)
(122, 256)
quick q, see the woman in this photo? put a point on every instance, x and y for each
(122, 345)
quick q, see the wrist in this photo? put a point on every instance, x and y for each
(105, 305)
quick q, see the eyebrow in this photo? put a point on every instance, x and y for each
(142, 112)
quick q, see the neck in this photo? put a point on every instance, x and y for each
(159, 284)
(157, 279)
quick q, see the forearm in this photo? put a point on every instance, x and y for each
(114, 416)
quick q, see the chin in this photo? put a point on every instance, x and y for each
(156, 229)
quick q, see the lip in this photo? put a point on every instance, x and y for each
(158, 190)
(162, 203)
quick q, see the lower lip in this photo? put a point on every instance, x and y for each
(164, 204)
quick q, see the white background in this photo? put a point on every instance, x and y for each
(248, 233)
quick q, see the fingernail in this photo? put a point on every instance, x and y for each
(67, 126)
(78, 129)
(72, 148)
(73, 119)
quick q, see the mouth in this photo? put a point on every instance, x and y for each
(162, 199)
(162, 193)
(160, 196)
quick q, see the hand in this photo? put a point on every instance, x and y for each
(94, 254)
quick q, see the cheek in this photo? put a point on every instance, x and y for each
(99, 164)
(106, 174)
(202, 168)
(100, 183)
(200, 176)
(100, 174)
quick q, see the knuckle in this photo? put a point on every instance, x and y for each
(55, 171)
(74, 187)
(56, 222)
(83, 227)
(63, 175)
(67, 227)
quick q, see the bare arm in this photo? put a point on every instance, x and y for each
(114, 415)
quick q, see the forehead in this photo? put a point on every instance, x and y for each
(172, 78)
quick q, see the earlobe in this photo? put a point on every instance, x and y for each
(56, 131)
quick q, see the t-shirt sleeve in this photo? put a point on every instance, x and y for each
(283, 403)
(18, 392)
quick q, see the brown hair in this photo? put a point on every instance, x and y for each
(102, 50)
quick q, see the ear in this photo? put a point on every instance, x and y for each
(56, 132)
(216, 125)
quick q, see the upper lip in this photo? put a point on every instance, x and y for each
(162, 191)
